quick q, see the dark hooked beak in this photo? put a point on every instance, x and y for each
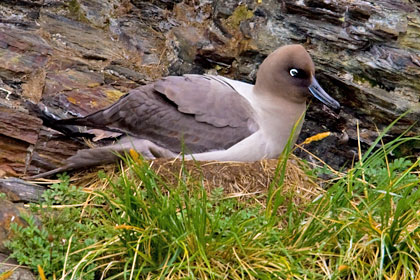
(321, 95)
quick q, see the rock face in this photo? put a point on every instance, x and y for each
(9, 266)
(78, 56)
(17, 190)
(9, 213)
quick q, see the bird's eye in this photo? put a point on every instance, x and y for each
(298, 73)
(294, 72)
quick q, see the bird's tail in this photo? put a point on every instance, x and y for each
(102, 155)
(68, 127)
(84, 159)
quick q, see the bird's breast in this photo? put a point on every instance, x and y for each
(277, 123)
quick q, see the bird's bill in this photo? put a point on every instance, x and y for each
(317, 91)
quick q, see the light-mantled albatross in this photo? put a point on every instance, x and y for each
(214, 117)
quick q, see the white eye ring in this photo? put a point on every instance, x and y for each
(293, 72)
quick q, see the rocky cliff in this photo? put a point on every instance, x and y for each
(77, 56)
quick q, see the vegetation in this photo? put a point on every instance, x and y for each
(365, 225)
(44, 242)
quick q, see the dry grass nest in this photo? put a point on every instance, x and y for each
(242, 180)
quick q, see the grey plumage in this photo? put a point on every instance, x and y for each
(203, 112)
(215, 117)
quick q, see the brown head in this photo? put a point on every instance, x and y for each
(289, 72)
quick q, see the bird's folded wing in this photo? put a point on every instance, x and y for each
(208, 99)
(200, 111)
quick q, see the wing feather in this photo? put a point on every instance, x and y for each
(200, 111)
(208, 99)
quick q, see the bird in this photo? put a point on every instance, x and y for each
(208, 117)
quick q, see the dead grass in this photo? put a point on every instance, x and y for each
(243, 180)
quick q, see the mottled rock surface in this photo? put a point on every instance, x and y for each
(77, 56)
(19, 273)
(9, 213)
(18, 190)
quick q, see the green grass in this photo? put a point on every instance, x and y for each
(44, 240)
(138, 226)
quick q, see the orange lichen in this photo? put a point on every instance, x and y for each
(72, 100)
(316, 137)
(6, 275)
(41, 273)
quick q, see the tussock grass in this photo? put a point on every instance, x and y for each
(364, 226)
(264, 220)
(181, 225)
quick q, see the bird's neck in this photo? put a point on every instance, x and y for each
(277, 117)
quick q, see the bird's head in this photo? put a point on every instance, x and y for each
(290, 72)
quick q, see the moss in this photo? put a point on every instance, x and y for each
(113, 95)
(74, 7)
(76, 11)
(241, 13)
(411, 38)
(363, 80)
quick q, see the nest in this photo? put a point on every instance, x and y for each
(238, 179)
